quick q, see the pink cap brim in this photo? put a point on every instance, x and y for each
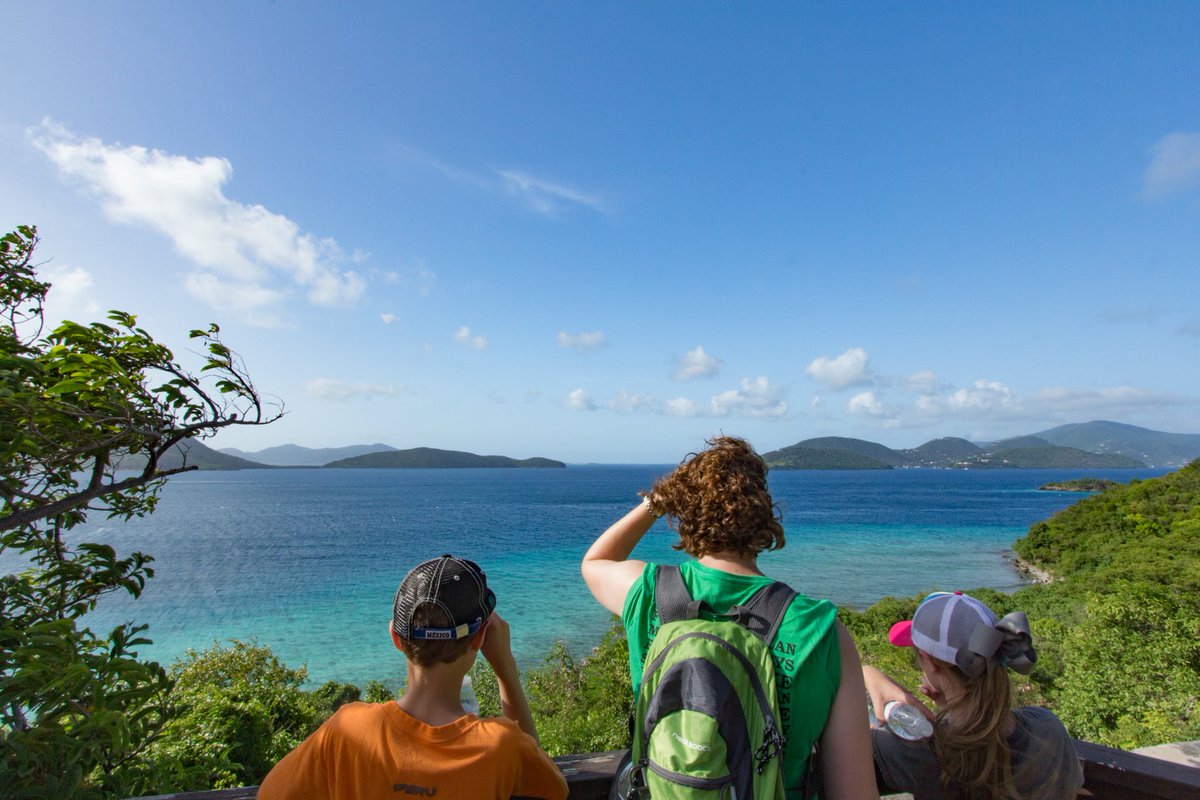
(901, 634)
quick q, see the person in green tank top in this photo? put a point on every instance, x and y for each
(718, 501)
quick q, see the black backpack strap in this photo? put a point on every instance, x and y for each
(763, 613)
(671, 597)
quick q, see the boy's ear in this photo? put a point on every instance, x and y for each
(396, 640)
(480, 636)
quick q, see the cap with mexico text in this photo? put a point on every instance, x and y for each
(456, 586)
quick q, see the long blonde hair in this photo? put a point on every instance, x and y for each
(970, 738)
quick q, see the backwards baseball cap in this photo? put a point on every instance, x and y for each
(456, 586)
(958, 629)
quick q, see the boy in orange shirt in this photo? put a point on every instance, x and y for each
(425, 744)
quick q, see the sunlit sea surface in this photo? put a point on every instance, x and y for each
(307, 560)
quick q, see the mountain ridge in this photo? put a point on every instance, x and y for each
(1089, 445)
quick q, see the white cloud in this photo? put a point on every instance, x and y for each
(387, 319)
(544, 196)
(757, 398)
(579, 400)
(866, 403)
(71, 293)
(583, 342)
(342, 391)
(245, 246)
(464, 335)
(1174, 165)
(626, 402)
(696, 364)
(681, 407)
(983, 396)
(851, 368)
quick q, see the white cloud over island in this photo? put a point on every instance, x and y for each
(851, 368)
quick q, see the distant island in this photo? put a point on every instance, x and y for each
(1079, 485)
(1090, 445)
(428, 457)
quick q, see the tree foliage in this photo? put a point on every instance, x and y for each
(77, 707)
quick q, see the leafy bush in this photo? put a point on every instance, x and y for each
(583, 706)
(237, 710)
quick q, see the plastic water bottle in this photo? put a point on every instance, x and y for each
(904, 720)
(466, 696)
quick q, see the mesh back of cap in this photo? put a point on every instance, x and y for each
(456, 586)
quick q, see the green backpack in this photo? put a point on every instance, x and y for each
(707, 717)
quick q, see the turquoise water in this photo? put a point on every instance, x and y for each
(307, 561)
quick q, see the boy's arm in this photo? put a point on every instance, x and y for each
(497, 649)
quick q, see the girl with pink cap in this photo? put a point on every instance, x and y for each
(982, 747)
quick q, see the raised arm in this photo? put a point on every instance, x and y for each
(884, 689)
(847, 763)
(607, 569)
(497, 649)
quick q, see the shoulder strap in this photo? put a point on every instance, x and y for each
(763, 613)
(671, 597)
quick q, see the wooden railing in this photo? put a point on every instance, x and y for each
(1109, 774)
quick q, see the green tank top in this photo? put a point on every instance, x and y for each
(807, 659)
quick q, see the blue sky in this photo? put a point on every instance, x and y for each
(604, 232)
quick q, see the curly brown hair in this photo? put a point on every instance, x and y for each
(718, 501)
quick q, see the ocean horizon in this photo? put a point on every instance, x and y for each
(306, 561)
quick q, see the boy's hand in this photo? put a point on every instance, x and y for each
(497, 645)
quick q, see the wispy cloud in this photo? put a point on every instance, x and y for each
(583, 342)
(240, 249)
(546, 197)
(535, 193)
(343, 391)
(465, 336)
(1174, 165)
(387, 319)
(696, 364)
(851, 368)
(626, 402)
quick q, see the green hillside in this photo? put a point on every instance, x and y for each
(1016, 443)
(800, 457)
(1049, 457)
(941, 452)
(194, 454)
(1118, 628)
(1152, 447)
(871, 450)
(428, 457)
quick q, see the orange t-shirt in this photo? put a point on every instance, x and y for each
(377, 751)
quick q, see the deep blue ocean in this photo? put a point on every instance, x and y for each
(307, 560)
